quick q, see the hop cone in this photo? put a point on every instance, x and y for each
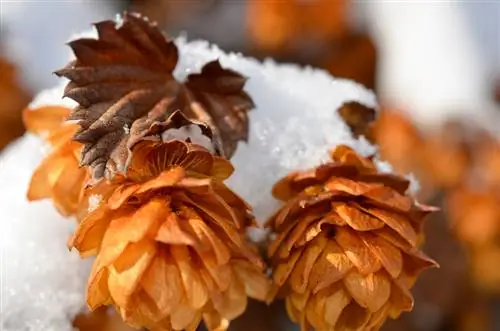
(59, 176)
(169, 241)
(14, 99)
(346, 251)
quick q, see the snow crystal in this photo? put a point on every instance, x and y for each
(42, 284)
(94, 202)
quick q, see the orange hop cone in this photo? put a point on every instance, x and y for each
(399, 140)
(346, 251)
(59, 176)
(474, 215)
(169, 241)
(446, 156)
(14, 99)
(475, 218)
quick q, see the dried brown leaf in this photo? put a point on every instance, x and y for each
(220, 93)
(124, 84)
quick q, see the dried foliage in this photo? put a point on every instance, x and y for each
(359, 118)
(169, 241)
(124, 84)
(346, 252)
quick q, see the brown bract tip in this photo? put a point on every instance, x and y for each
(359, 118)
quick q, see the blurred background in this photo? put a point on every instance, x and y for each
(435, 66)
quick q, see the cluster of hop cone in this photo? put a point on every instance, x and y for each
(169, 237)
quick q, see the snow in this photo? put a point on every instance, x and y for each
(42, 284)
(94, 202)
(293, 127)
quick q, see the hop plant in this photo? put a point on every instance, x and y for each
(169, 242)
(167, 234)
(346, 249)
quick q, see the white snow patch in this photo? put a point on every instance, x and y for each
(193, 133)
(42, 284)
(126, 129)
(94, 202)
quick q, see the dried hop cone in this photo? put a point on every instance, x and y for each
(346, 251)
(169, 241)
(59, 176)
(123, 82)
